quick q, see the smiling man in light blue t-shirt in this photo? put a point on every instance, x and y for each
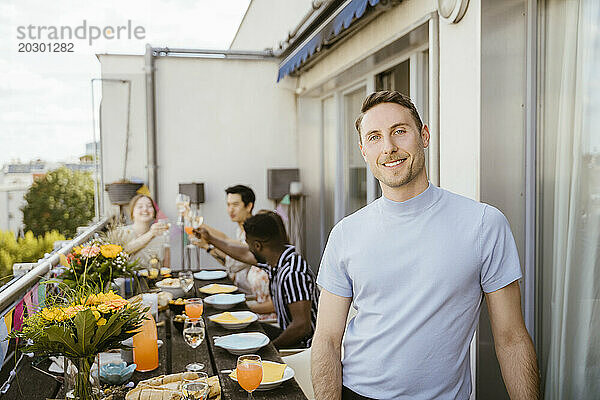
(416, 264)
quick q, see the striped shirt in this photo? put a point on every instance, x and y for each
(292, 280)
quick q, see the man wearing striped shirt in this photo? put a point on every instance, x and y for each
(292, 282)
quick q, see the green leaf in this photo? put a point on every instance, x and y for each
(61, 334)
(112, 327)
(85, 324)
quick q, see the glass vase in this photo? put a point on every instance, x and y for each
(80, 384)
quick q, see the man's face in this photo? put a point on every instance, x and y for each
(392, 145)
(238, 212)
(256, 248)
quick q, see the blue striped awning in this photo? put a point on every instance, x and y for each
(343, 20)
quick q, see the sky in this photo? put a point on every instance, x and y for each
(45, 97)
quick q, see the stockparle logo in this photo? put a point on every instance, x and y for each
(51, 38)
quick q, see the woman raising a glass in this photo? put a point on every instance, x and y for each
(144, 238)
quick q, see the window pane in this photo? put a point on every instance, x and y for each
(356, 171)
(329, 162)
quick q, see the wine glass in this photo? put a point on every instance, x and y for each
(182, 201)
(186, 280)
(194, 377)
(165, 221)
(193, 334)
(249, 373)
(195, 390)
(194, 308)
(197, 219)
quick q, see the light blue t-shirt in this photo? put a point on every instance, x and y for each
(416, 271)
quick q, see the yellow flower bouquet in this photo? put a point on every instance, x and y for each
(79, 326)
(97, 263)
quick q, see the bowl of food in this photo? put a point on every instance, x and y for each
(215, 288)
(234, 319)
(177, 306)
(171, 285)
(178, 321)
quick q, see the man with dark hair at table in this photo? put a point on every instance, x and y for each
(292, 282)
(240, 202)
(251, 280)
(416, 264)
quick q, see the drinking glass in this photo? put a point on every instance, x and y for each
(194, 308)
(193, 334)
(197, 219)
(249, 372)
(165, 221)
(195, 377)
(182, 201)
(195, 390)
(186, 280)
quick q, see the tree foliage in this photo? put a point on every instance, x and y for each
(25, 249)
(62, 200)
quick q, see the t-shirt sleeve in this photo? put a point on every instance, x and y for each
(298, 286)
(499, 256)
(333, 274)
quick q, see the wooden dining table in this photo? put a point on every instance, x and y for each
(175, 354)
(32, 382)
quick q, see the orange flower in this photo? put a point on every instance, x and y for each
(91, 300)
(106, 302)
(72, 310)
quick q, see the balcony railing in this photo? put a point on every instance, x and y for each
(12, 293)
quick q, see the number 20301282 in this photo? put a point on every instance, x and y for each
(35, 47)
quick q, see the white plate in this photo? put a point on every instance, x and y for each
(288, 374)
(239, 315)
(208, 275)
(225, 301)
(242, 343)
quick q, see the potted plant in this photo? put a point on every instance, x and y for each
(122, 191)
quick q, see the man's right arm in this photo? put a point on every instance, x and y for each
(233, 249)
(326, 362)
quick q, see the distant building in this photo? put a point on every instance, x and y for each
(90, 148)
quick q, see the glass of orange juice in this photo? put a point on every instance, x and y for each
(249, 372)
(194, 308)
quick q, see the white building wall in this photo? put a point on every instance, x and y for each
(267, 22)
(11, 201)
(221, 122)
(460, 103)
